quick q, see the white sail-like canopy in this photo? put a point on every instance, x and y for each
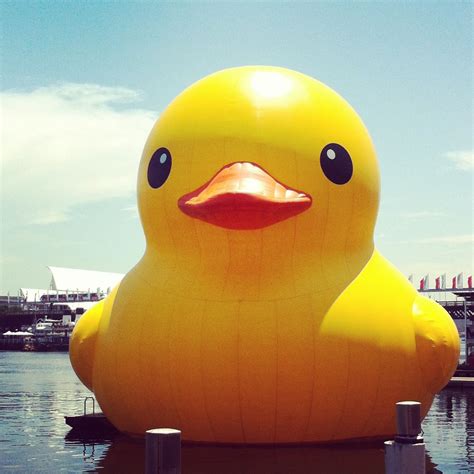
(32, 294)
(83, 280)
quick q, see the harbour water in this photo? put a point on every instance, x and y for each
(38, 389)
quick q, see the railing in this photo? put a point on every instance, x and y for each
(93, 404)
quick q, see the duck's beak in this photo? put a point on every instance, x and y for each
(243, 196)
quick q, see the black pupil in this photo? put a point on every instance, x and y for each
(159, 167)
(336, 163)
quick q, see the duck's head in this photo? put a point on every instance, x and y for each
(255, 157)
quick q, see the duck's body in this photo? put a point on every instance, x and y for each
(262, 316)
(279, 371)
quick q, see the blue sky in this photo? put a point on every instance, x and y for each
(83, 82)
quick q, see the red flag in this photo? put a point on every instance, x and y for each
(437, 280)
(454, 282)
(469, 281)
(422, 284)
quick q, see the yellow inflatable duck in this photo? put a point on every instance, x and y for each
(261, 311)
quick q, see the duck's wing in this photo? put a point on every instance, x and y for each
(381, 298)
(437, 342)
(84, 337)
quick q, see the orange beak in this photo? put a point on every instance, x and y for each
(243, 196)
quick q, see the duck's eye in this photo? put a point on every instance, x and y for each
(159, 167)
(336, 163)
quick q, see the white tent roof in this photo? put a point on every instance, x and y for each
(32, 294)
(83, 280)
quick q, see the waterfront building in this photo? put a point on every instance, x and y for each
(48, 315)
(72, 284)
(72, 291)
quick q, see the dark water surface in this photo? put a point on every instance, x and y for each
(38, 389)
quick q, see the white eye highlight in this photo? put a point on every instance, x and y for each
(163, 158)
(331, 154)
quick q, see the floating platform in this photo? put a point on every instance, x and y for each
(465, 382)
(91, 423)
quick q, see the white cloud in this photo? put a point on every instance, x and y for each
(462, 159)
(422, 214)
(49, 217)
(131, 210)
(67, 145)
(449, 239)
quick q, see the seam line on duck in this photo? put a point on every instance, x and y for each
(170, 382)
(141, 363)
(348, 230)
(293, 245)
(323, 237)
(345, 392)
(206, 405)
(197, 236)
(239, 373)
(313, 378)
(276, 373)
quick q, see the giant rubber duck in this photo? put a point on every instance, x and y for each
(260, 312)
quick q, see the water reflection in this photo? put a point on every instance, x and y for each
(127, 455)
(449, 430)
(37, 390)
(91, 449)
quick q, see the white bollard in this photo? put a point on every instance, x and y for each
(163, 451)
(406, 454)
